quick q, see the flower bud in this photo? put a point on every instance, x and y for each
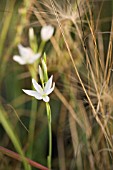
(32, 40)
(45, 70)
(41, 74)
(31, 34)
(47, 32)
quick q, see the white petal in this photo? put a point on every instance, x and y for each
(38, 96)
(37, 86)
(47, 32)
(34, 58)
(19, 59)
(37, 56)
(30, 92)
(46, 99)
(33, 93)
(25, 51)
(50, 90)
(48, 84)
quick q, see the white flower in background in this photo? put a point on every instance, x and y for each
(47, 32)
(41, 93)
(27, 56)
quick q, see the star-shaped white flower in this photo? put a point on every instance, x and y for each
(47, 32)
(27, 56)
(41, 93)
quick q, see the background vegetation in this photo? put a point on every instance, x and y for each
(80, 57)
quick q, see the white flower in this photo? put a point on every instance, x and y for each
(41, 93)
(47, 32)
(27, 56)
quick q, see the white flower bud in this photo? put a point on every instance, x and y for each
(44, 66)
(41, 74)
(47, 32)
(31, 34)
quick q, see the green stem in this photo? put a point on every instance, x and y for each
(32, 116)
(41, 47)
(32, 127)
(50, 135)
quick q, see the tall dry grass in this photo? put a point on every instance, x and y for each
(80, 57)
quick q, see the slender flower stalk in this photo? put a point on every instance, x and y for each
(48, 109)
(32, 123)
(42, 93)
(42, 45)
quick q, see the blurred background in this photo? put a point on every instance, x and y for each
(80, 57)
